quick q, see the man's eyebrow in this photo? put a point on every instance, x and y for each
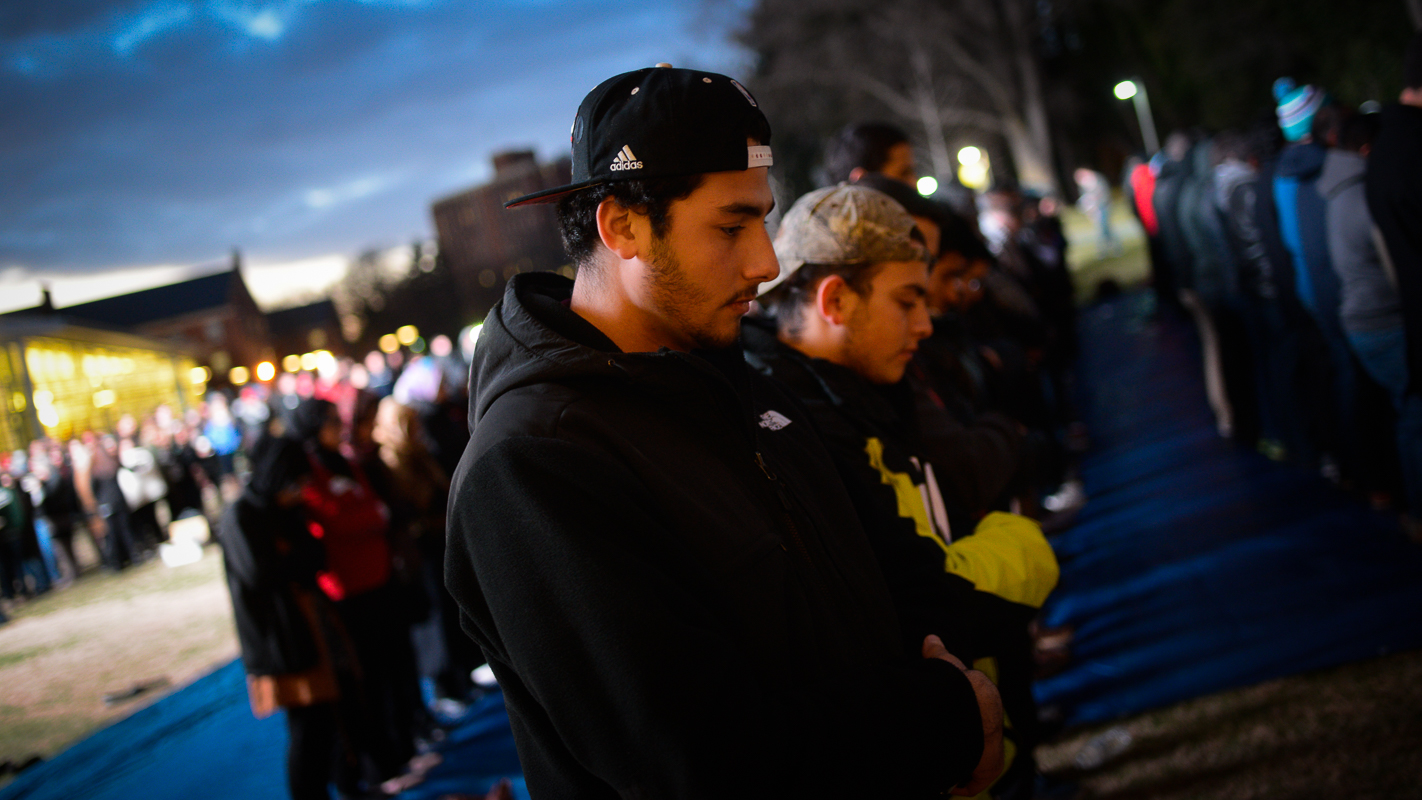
(747, 209)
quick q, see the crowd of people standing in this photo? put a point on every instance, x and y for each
(1291, 246)
(333, 552)
(120, 489)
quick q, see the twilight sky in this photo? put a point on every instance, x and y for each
(140, 141)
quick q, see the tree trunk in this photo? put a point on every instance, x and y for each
(931, 117)
(1034, 165)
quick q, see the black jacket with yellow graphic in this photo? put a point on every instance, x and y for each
(974, 583)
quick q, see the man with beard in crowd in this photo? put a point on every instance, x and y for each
(649, 541)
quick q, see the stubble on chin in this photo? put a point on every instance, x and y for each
(679, 301)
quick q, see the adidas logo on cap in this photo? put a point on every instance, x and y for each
(625, 160)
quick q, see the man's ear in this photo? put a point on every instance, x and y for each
(614, 227)
(834, 299)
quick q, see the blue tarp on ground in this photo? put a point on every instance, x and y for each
(1198, 565)
(203, 742)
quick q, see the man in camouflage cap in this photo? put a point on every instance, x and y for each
(853, 281)
(847, 317)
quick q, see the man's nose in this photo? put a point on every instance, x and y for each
(922, 322)
(761, 264)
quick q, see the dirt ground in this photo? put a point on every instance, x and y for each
(60, 654)
(1354, 731)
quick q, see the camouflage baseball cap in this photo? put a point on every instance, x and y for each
(844, 224)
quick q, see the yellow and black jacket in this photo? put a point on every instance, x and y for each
(975, 583)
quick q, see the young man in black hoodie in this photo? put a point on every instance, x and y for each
(647, 540)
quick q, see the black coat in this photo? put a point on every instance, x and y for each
(268, 555)
(853, 414)
(1394, 187)
(658, 560)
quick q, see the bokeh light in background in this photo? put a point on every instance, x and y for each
(973, 168)
(927, 185)
(266, 371)
(291, 363)
(407, 334)
(389, 344)
(238, 376)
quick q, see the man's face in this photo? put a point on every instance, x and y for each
(956, 284)
(886, 324)
(899, 164)
(702, 276)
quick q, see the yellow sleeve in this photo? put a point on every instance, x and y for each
(1008, 556)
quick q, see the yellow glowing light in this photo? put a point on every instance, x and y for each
(44, 397)
(291, 363)
(927, 185)
(17, 401)
(1125, 90)
(103, 398)
(407, 334)
(975, 176)
(199, 375)
(266, 371)
(969, 155)
(325, 362)
(308, 361)
(48, 417)
(389, 344)
(238, 375)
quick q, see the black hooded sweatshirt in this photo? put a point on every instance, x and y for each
(1394, 189)
(658, 560)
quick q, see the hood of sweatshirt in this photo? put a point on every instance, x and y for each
(532, 336)
(1339, 167)
(1301, 161)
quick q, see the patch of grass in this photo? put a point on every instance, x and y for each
(101, 587)
(1129, 267)
(22, 734)
(20, 656)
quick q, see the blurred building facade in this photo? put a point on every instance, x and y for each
(61, 377)
(214, 316)
(483, 244)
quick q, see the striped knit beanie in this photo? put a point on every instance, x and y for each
(1297, 105)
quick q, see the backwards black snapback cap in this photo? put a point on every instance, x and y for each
(662, 122)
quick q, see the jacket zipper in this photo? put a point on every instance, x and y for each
(785, 513)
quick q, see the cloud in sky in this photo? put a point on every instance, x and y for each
(164, 131)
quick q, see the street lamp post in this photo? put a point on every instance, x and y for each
(1130, 90)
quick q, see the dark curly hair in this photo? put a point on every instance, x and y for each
(577, 213)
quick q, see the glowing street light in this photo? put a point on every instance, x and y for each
(291, 363)
(927, 185)
(1131, 90)
(238, 376)
(973, 168)
(266, 371)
